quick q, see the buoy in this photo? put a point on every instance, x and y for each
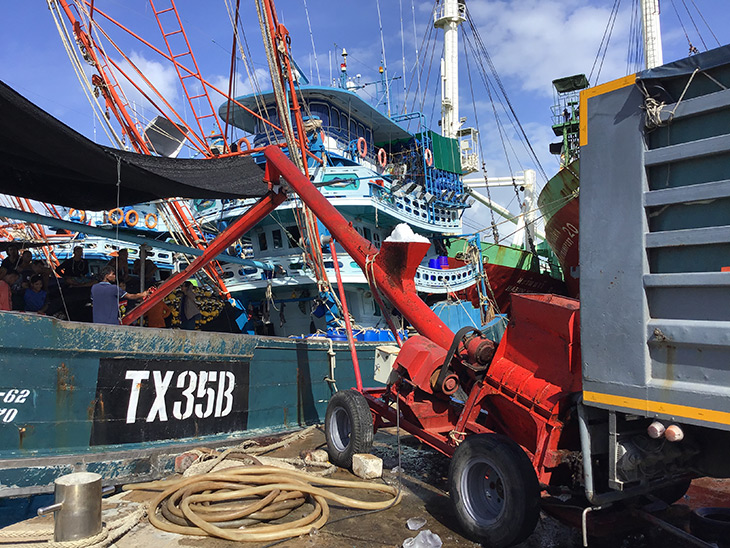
(116, 216)
(81, 214)
(428, 157)
(129, 215)
(150, 220)
(362, 147)
(382, 157)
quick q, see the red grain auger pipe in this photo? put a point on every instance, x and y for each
(391, 268)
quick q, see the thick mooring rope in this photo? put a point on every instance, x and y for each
(111, 531)
(236, 503)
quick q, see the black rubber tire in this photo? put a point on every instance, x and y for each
(673, 492)
(348, 427)
(711, 525)
(494, 490)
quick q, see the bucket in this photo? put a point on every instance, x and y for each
(336, 335)
(443, 262)
(434, 263)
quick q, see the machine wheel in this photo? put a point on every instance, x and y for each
(711, 525)
(494, 490)
(348, 427)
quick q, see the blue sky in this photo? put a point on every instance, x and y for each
(530, 42)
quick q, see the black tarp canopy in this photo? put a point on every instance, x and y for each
(43, 159)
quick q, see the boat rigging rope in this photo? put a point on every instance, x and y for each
(605, 39)
(495, 231)
(654, 108)
(82, 76)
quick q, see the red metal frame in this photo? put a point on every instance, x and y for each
(525, 392)
(256, 213)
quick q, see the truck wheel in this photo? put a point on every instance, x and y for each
(494, 490)
(348, 427)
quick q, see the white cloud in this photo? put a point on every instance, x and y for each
(536, 41)
(162, 77)
(243, 86)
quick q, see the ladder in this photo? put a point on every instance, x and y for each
(180, 52)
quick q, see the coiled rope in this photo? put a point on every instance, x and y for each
(234, 504)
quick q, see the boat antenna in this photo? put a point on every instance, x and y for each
(415, 43)
(385, 63)
(311, 37)
(403, 52)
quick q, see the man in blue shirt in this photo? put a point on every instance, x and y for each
(106, 295)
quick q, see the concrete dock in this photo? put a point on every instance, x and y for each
(423, 482)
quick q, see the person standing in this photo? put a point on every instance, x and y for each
(189, 311)
(105, 297)
(35, 297)
(6, 295)
(157, 314)
(11, 261)
(75, 267)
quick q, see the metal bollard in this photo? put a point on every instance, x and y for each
(77, 507)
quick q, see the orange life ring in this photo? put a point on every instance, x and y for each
(115, 220)
(428, 156)
(81, 213)
(362, 147)
(128, 217)
(243, 140)
(382, 157)
(150, 220)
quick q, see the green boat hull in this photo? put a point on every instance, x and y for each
(124, 401)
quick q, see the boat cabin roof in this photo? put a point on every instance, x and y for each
(384, 129)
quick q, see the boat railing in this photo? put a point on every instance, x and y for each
(433, 280)
(416, 211)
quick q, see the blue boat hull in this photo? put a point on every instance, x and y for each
(124, 401)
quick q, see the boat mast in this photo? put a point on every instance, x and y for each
(449, 17)
(652, 33)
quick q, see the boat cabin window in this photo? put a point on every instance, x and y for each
(322, 110)
(335, 120)
(376, 239)
(278, 242)
(263, 246)
(292, 235)
(366, 233)
(271, 116)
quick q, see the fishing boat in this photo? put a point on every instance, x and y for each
(124, 400)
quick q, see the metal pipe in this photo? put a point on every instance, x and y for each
(690, 539)
(11, 213)
(390, 269)
(346, 313)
